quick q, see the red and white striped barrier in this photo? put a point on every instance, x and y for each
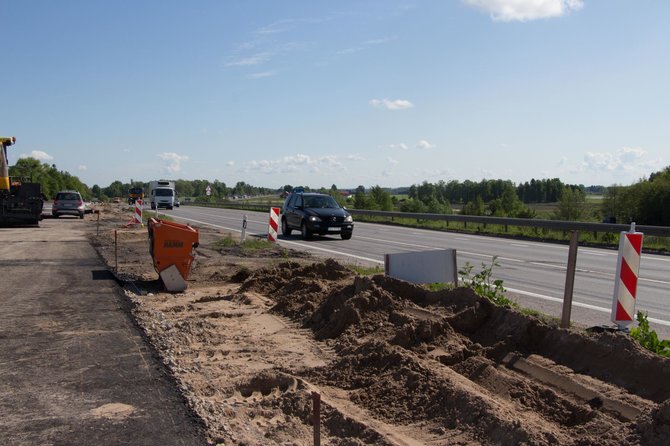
(625, 285)
(274, 224)
(138, 212)
(137, 215)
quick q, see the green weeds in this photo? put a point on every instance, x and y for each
(484, 285)
(648, 338)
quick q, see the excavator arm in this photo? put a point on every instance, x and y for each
(4, 162)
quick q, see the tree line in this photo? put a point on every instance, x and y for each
(645, 202)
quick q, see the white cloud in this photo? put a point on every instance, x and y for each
(379, 41)
(401, 146)
(256, 59)
(173, 161)
(294, 163)
(626, 158)
(38, 155)
(82, 167)
(261, 75)
(622, 166)
(425, 145)
(397, 104)
(524, 10)
(230, 163)
(355, 157)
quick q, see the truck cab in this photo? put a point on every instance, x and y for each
(162, 194)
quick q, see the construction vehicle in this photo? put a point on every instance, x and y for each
(134, 194)
(21, 201)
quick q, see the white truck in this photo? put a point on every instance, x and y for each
(162, 194)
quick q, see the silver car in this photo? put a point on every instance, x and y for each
(68, 202)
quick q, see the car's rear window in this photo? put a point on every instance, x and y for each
(67, 196)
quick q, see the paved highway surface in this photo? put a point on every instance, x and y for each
(533, 272)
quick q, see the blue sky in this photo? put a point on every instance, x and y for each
(350, 93)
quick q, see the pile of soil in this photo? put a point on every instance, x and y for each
(253, 338)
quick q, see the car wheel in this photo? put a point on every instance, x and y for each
(346, 235)
(55, 215)
(306, 234)
(81, 216)
(285, 230)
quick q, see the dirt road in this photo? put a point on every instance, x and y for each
(75, 368)
(258, 332)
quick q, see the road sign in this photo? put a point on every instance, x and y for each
(208, 190)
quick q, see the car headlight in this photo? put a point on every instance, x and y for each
(314, 218)
(348, 219)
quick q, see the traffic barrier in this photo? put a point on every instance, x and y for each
(274, 224)
(627, 271)
(138, 212)
(137, 215)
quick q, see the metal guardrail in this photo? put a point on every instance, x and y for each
(555, 225)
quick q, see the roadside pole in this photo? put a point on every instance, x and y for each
(570, 280)
(244, 229)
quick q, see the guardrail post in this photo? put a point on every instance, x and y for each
(570, 280)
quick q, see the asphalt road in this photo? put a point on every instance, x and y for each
(75, 368)
(533, 272)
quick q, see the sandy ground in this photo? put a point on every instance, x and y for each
(257, 334)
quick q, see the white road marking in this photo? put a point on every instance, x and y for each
(304, 245)
(577, 304)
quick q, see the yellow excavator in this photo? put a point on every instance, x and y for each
(20, 201)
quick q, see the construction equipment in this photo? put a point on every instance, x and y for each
(172, 248)
(135, 193)
(20, 201)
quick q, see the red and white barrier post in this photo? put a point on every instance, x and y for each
(274, 224)
(625, 285)
(138, 212)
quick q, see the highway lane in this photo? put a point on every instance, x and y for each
(533, 272)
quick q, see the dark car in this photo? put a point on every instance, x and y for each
(68, 202)
(312, 213)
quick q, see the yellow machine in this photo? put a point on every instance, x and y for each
(20, 201)
(134, 194)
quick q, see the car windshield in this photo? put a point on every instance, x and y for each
(67, 196)
(320, 202)
(163, 192)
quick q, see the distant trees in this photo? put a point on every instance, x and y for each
(50, 178)
(571, 205)
(645, 202)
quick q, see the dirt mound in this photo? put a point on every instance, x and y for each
(469, 365)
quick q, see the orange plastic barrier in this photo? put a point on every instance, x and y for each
(172, 244)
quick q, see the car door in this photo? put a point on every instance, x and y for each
(295, 217)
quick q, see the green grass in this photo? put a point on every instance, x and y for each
(225, 242)
(439, 286)
(248, 246)
(366, 270)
